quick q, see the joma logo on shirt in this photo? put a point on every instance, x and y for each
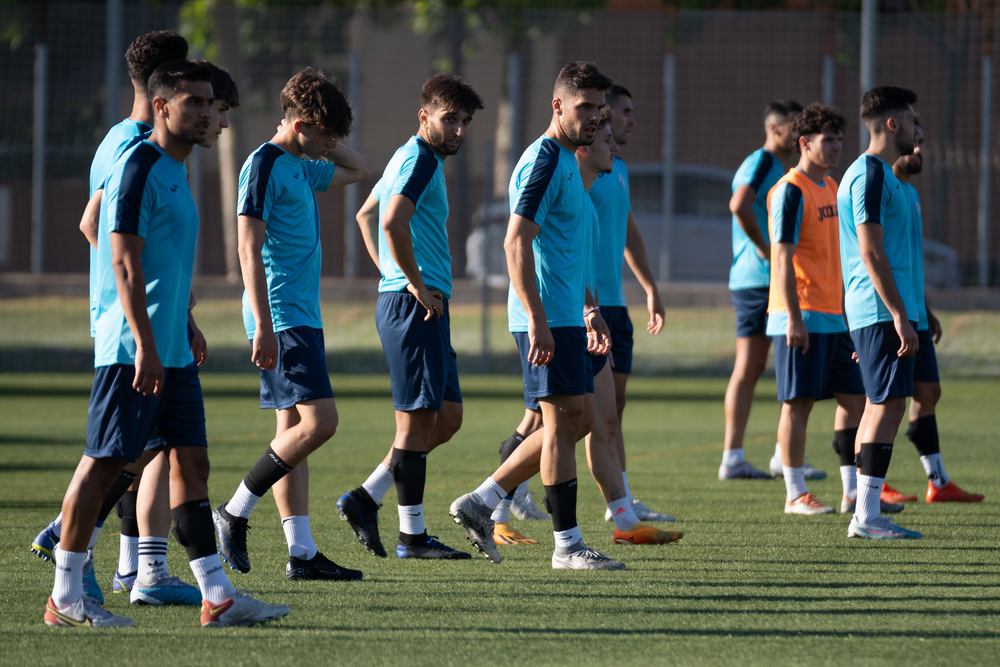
(827, 212)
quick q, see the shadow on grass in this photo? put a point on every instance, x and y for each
(7, 440)
(30, 504)
(37, 467)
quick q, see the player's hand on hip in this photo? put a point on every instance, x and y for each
(148, 372)
(656, 314)
(432, 301)
(797, 335)
(909, 343)
(541, 344)
(265, 349)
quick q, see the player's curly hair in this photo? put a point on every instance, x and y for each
(223, 85)
(317, 101)
(449, 92)
(579, 76)
(815, 118)
(881, 101)
(149, 51)
(607, 115)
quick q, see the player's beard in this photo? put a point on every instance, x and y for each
(904, 144)
(576, 136)
(439, 143)
(913, 164)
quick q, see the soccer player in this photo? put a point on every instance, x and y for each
(280, 258)
(412, 317)
(143, 56)
(749, 279)
(876, 253)
(553, 317)
(143, 377)
(922, 430)
(812, 348)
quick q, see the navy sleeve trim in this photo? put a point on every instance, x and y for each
(762, 170)
(538, 183)
(789, 212)
(260, 174)
(133, 183)
(874, 182)
(423, 172)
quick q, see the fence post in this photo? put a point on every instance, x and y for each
(984, 151)
(351, 197)
(669, 103)
(38, 158)
(113, 57)
(869, 37)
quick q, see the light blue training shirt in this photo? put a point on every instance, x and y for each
(917, 251)
(280, 189)
(610, 195)
(869, 192)
(761, 170)
(546, 188)
(147, 194)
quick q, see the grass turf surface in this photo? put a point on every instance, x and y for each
(747, 585)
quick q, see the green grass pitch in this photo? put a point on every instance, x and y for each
(747, 585)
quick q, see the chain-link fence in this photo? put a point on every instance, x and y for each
(700, 80)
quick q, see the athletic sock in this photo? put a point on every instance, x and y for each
(628, 491)
(490, 493)
(118, 488)
(128, 541)
(777, 451)
(264, 474)
(623, 514)
(93, 535)
(522, 488)
(299, 537)
(795, 482)
(152, 560)
(843, 444)
(411, 519)
(873, 464)
(128, 554)
(569, 540)
(849, 478)
(194, 529)
(508, 446)
(502, 512)
(934, 468)
(212, 580)
(378, 483)
(733, 457)
(923, 433)
(560, 500)
(68, 585)
(242, 502)
(57, 526)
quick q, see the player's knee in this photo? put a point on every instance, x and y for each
(448, 424)
(324, 426)
(926, 394)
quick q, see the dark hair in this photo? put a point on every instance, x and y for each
(916, 119)
(815, 118)
(615, 92)
(782, 108)
(317, 101)
(165, 80)
(223, 85)
(149, 51)
(579, 76)
(449, 92)
(607, 115)
(881, 101)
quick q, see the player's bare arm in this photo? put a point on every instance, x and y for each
(933, 324)
(396, 225)
(91, 219)
(638, 261)
(352, 166)
(796, 333)
(741, 205)
(521, 267)
(873, 255)
(126, 253)
(251, 234)
(368, 222)
(199, 346)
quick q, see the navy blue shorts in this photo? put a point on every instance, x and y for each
(925, 368)
(885, 374)
(570, 373)
(157, 441)
(423, 366)
(120, 420)
(751, 311)
(300, 373)
(620, 325)
(827, 368)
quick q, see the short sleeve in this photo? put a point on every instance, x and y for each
(786, 213)
(320, 172)
(536, 188)
(133, 202)
(754, 171)
(868, 194)
(414, 175)
(257, 189)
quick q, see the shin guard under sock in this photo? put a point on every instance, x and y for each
(843, 444)
(194, 529)
(409, 471)
(560, 501)
(923, 433)
(115, 493)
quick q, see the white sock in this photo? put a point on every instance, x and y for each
(567, 538)
(93, 536)
(623, 514)
(502, 512)
(490, 493)
(212, 580)
(152, 559)
(795, 482)
(732, 457)
(849, 477)
(242, 503)
(128, 554)
(299, 537)
(869, 491)
(934, 468)
(521, 489)
(628, 492)
(68, 586)
(378, 483)
(411, 519)
(57, 526)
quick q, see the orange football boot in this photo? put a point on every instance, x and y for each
(891, 495)
(643, 533)
(950, 493)
(504, 533)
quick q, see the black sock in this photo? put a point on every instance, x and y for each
(412, 540)
(873, 459)
(560, 501)
(843, 444)
(923, 433)
(409, 471)
(117, 490)
(508, 446)
(266, 473)
(127, 513)
(193, 528)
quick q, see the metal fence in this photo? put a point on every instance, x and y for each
(700, 80)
